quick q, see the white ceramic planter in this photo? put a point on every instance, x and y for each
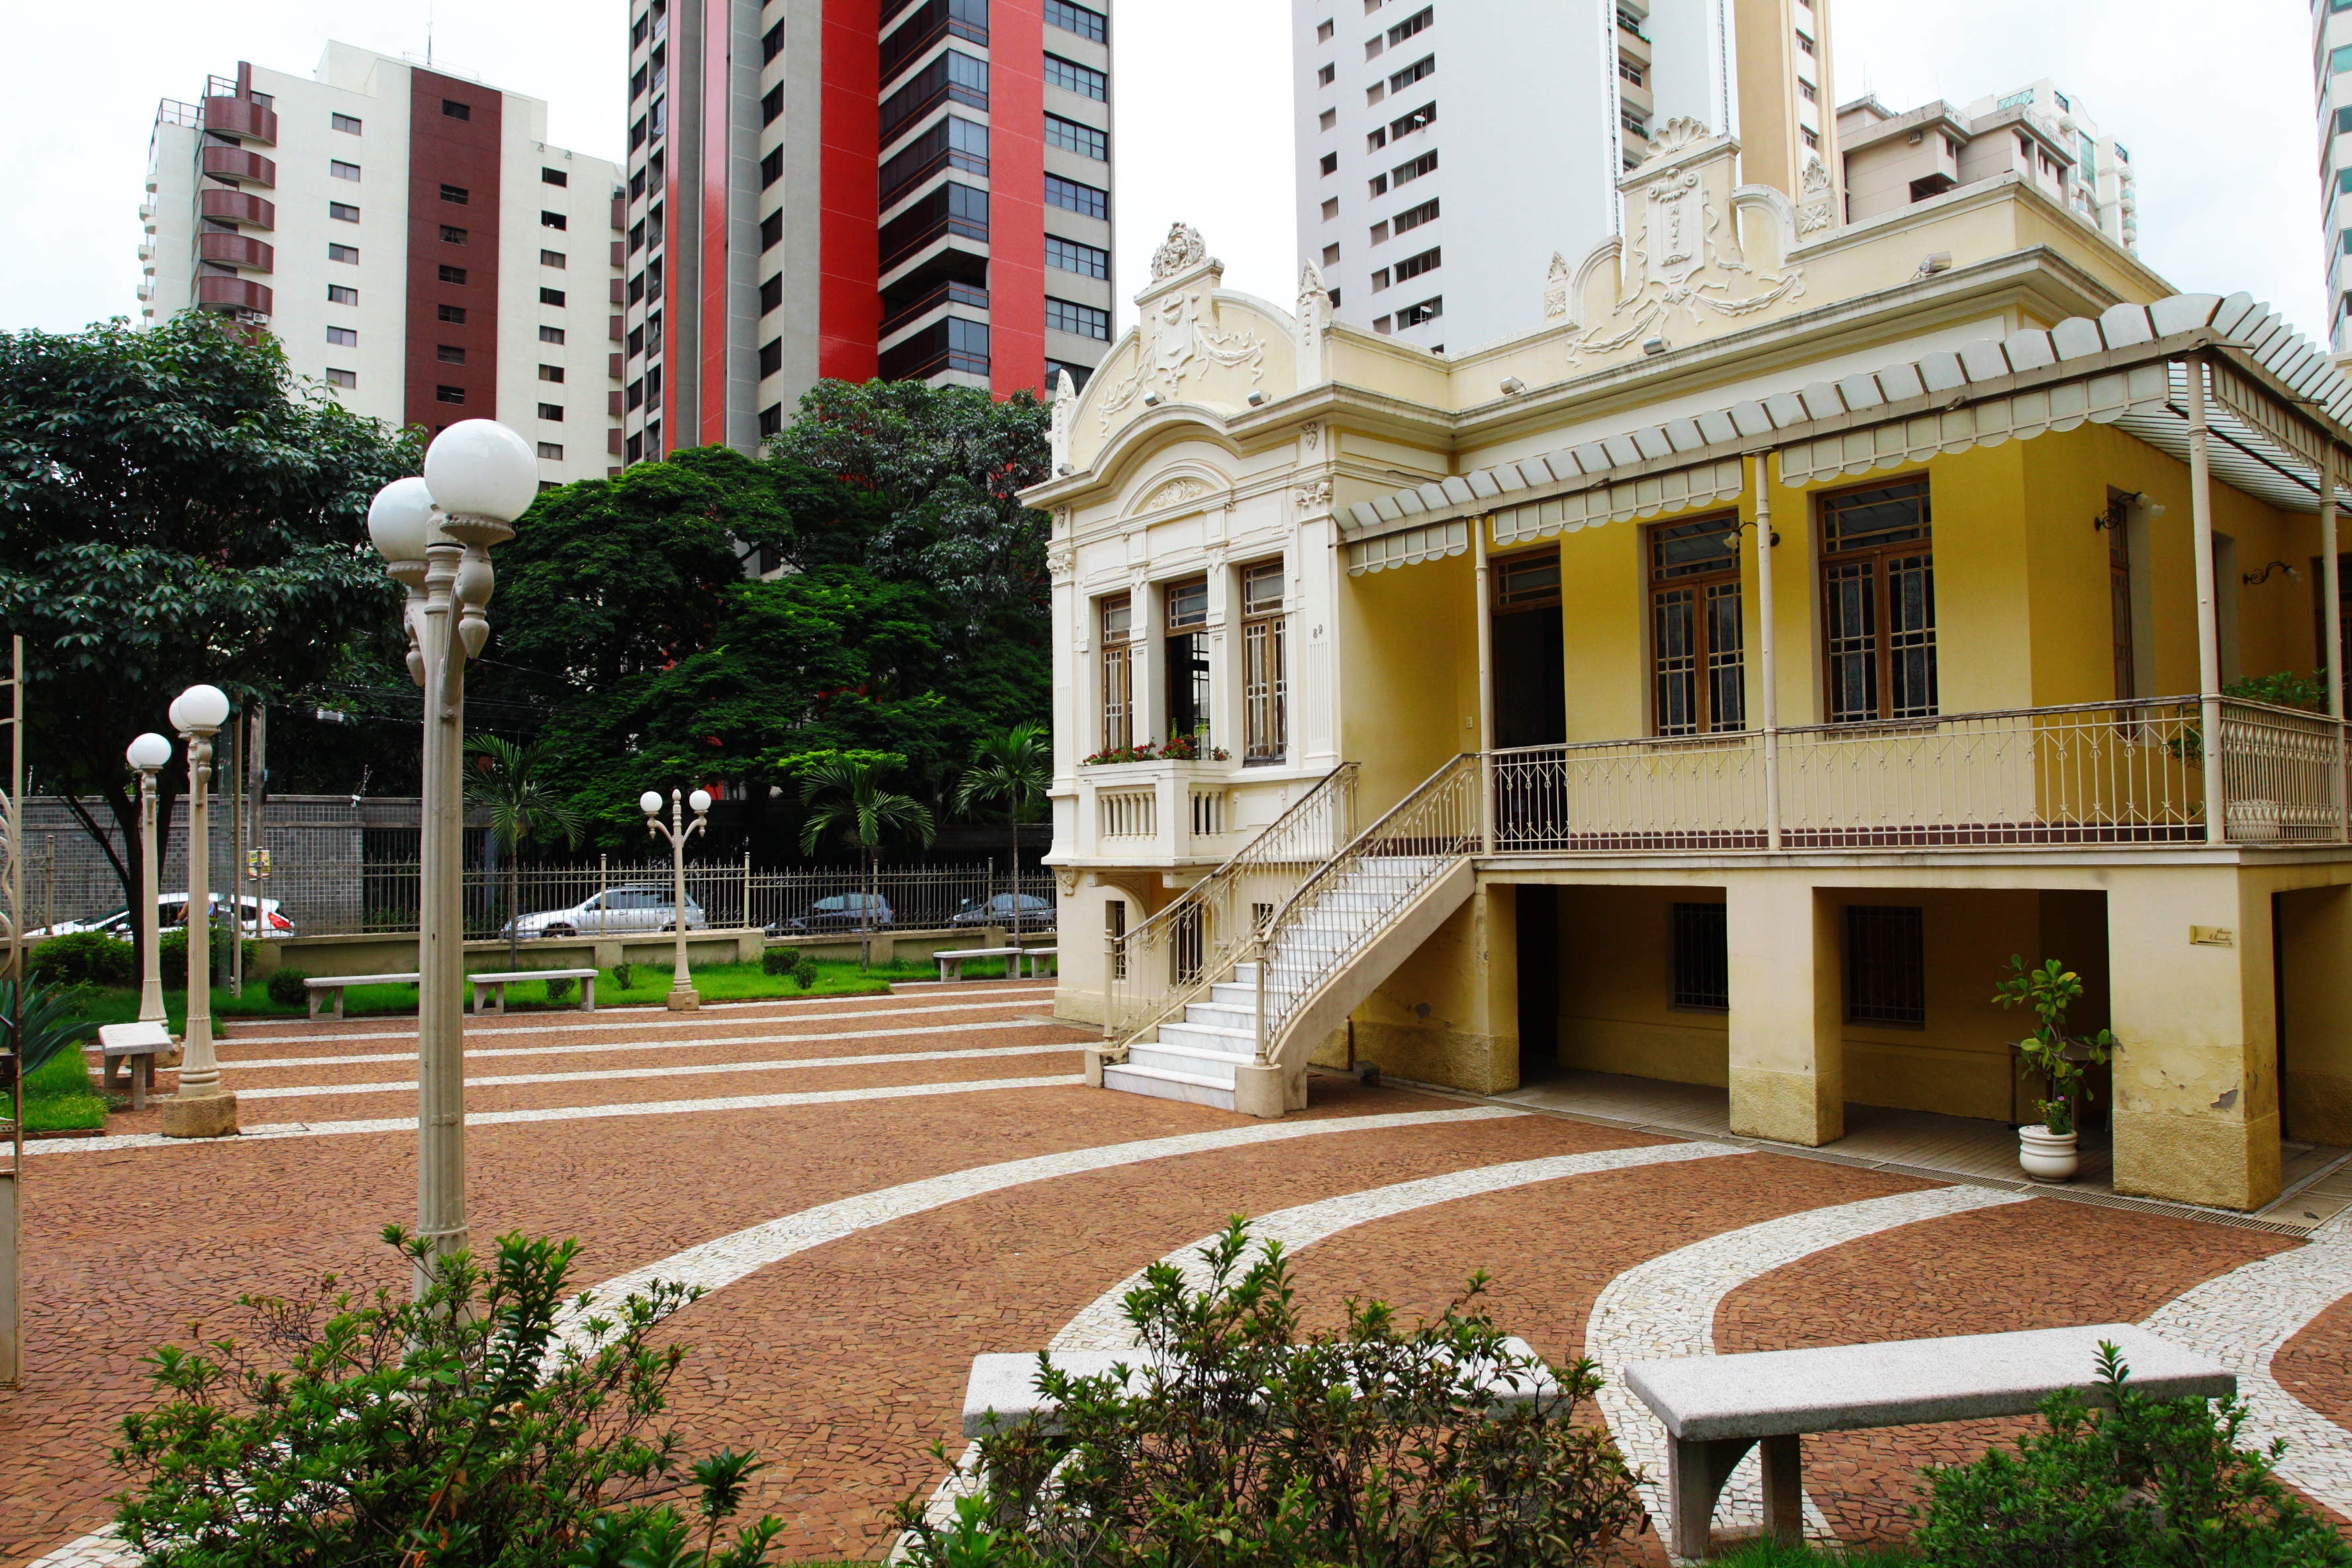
(2047, 1156)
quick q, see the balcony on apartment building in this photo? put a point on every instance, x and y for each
(226, 162)
(234, 116)
(215, 293)
(238, 250)
(223, 206)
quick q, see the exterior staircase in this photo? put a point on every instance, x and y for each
(1232, 1024)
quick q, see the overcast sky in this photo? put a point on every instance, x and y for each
(2214, 102)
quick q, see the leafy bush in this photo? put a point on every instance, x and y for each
(285, 987)
(779, 960)
(804, 970)
(560, 991)
(82, 958)
(1238, 1439)
(2150, 1483)
(451, 1429)
(621, 976)
(172, 950)
(2287, 688)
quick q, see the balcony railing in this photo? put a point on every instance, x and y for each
(237, 163)
(237, 207)
(241, 117)
(234, 294)
(2115, 773)
(238, 250)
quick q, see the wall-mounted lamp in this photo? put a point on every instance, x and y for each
(1513, 386)
(2255, 579)
(1255, 398)
(1654, 345)
(1731, 539)
(2114, 516)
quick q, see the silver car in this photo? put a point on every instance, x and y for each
(643, 906)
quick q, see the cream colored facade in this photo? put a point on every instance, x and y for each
(1489, 837)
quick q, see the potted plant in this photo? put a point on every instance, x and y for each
(2047, 1153)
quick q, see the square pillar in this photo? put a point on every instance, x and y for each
(2196, 1090)
(1450, 1014)
(1787, 973)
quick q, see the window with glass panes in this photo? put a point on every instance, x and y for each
(1118, 627)
(1878, 592)
(1266, 689)
(1188, 659)
(1699, 672)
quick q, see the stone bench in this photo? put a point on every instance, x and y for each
(496, 986)
(328, 988)
(951, 961)
(1714, 1408)
(1002, 1391)
(136, 1046)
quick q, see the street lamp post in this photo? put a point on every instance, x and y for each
(147, 756)
(435, 535)
(202, 1108)
(683, 997)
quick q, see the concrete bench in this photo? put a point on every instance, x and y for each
(495, 985)
(1716, 1408)
(137, 1046)
(951, 961)
(329, 989)
(1002, 1392)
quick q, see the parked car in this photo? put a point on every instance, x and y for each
(172, 912)
(646, 906)
(1013, 911)
(842, 911)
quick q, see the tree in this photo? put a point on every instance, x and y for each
(175, 507)
(511, 782)
(943, 468)
(847, 800)
(1010, 768)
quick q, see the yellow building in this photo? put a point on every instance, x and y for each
(1505, 743)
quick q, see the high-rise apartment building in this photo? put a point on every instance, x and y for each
(2331, 61)
(1513, 122)
(409, 237)
(913, 189)
(2040, 134)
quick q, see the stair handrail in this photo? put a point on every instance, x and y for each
(1302, 834)
(1440, 813)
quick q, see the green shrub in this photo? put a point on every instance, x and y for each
(621, 976)
(174, 952)
(560, 991)
(779, 960)
(82, 958)
(2149, 1483)
(440, 1430)
(285, 987)
(1245, 1440)
(803, 970)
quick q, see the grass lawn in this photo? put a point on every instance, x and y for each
(61, 1094)
(649, 983)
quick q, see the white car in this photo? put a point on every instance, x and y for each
(641, 906)
(170, 913)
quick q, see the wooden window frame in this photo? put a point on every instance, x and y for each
(1185, 652)
(2119, 597)
(1707, 665)
(1878, 564)
(1116, 710)
(1265, 680)
(1510, 600)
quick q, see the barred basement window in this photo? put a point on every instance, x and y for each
(1885, 964)
(1116, 621)
(1115, 933)
(1266, 689)
(1702, 958)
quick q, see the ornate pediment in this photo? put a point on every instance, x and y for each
(1686, 273)
(1176, 492)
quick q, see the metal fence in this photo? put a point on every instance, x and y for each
(618, 897)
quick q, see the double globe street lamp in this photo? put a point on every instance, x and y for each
(683, 997)
(435, 535)
(201, 1108)
(148, 755)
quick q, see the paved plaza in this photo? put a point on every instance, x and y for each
(873, 1190)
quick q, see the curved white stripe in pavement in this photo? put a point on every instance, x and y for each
(529, 1024)
(714, 1264)
(2241, 1319)
(684, 1069)
(1666, 1307)
(552, 1114)
(1102, 1325)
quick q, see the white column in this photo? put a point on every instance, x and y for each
(199, 1070)
(2331, 593)
(150, 969)
(2208, 636)
(440, 935)
(1768, 651)
(1485, 624)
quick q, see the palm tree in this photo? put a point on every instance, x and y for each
(1010, 768)
(509, 782)
(845, 799)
